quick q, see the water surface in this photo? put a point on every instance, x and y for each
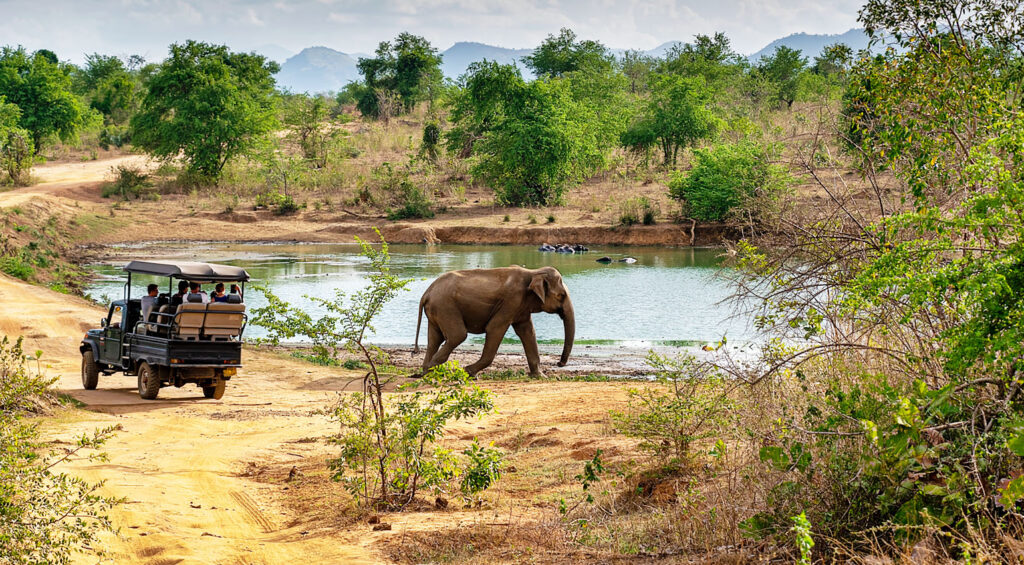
(670, 296)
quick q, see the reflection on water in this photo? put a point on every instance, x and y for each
(669, 296)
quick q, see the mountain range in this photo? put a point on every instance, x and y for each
(322, 69)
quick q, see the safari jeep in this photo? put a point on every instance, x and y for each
(179, 344)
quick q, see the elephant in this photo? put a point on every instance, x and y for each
(489, 301)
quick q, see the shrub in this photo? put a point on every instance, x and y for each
(405, 199)
(113, 135)
(431, 138)
(691, 405)
(638, 210)
(387, 457)
(729, 176)
(16, 152)
(17, 266)
(45, 516)
(280, 204)
(128, 182)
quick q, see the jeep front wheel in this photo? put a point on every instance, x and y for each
(149, 382)
(90, 371)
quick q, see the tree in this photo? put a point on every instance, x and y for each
(637, 67)
(410, 67)
(561, 54)
(206, 104)
(479, 104)
(678, 114)
(97, 68)
(308, 118)
(41, 89)
(783, 68)
(710, 57)
(541, 143)
(834, 59)
(15, 145)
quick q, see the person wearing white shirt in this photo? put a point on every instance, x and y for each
(149, 301)
(194, 288)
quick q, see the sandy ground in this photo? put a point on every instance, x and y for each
(184, 464)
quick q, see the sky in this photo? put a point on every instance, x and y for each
(73, 28)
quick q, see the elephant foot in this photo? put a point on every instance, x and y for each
(538, 374)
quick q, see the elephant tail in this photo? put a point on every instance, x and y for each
(419, 320)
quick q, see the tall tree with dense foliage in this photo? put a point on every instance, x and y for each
(562, 53)
(409, 67)
(531, 141)
(677, 115)
(783, 69)
(40, 87)
(208, 105)
(711, 57)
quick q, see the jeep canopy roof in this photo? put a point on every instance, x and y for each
(189, 270)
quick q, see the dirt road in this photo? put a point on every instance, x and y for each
(185, 465)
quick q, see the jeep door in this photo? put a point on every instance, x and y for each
(113, 333)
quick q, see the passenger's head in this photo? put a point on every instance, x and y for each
(152, 290)
(182, 287)
(234, 289)
(193, 287)
(219, 288)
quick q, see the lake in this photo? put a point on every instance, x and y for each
(668, 297)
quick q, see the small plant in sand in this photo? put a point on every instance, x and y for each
(389, 450)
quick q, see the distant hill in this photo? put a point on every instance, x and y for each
(322, 69)
(317, 69)
(458, 57)
(812, 44)
(274, 52)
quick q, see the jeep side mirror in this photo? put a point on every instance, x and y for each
(103, 322)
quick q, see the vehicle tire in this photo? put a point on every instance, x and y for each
(216, 391)
(149, 382)
(90, 371)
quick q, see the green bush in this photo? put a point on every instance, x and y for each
(691, 406)
(729, 176)
(45, 516)
(17, 266)
(639, 210)
(280, 204)
(405, 199)
(390, 475)
(113, 135)
(128, 182)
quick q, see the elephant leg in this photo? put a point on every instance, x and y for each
(494, 335)
(434, 340)
(452, 338)
(526, 335)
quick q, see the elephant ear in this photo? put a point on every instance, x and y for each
(537, 286)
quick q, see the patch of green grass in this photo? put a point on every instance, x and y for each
(353, 364)
(68, 400)
(315, 359)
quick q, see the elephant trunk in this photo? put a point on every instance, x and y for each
(569, 319)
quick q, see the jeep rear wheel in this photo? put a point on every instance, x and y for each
(215, 391)
(149, 382)
(90, 371)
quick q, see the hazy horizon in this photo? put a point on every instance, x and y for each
(73, 29)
